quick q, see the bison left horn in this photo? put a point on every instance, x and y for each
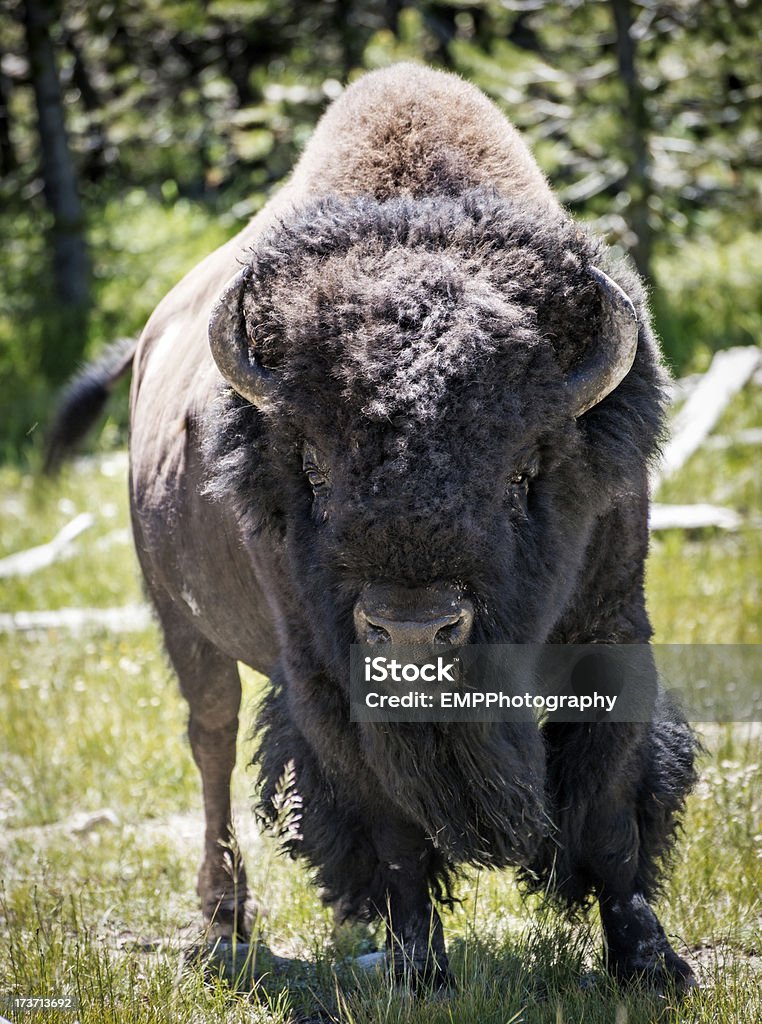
(613, 355)
(233, 352)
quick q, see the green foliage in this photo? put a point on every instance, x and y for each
(708, 297)
(141, 246)
(180, 113)
(145, 246)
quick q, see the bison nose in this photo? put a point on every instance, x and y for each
(432, 622)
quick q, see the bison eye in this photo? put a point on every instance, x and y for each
(317, 476)
(517, 492)
(517, 488)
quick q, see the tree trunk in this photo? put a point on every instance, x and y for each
(95, 161)
(70, 256)
(638, 180)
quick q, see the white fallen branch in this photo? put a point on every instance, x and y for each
(131, 618)
(24, 563)
(693, 517)
(752, 436)
(728, 373)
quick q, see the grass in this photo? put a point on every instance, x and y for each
(708, 589)
(101, 905)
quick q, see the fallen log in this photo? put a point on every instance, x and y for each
(728, 373)
(24, 563)
(693, 517)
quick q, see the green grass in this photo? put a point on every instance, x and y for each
(94, 722)
(708, 589)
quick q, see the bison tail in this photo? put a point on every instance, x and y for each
(84, 399)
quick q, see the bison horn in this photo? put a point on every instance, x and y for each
(610, 361)
(232, 351)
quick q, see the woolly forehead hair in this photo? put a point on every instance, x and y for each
(392, 303)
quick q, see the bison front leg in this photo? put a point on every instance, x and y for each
(618, 792)
(414, 935)
(210, 683)
(371, 862)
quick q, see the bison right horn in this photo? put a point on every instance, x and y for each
(232, 351)
(613, 355)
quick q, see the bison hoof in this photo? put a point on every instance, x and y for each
(430, 979)
(665, 975)
(229, 917)
(223, 958)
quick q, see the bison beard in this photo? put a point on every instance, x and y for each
(476, 790)
(411, 396)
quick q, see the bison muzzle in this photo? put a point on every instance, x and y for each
(411, 402)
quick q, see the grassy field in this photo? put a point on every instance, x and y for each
(101, 824)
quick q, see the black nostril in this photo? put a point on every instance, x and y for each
(456, 632)
(446, 635)
(375, 634)
(370, 631)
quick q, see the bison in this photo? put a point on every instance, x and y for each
(412, 401)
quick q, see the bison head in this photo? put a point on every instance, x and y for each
(433, 400)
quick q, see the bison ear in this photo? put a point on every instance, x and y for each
(233, 352)
(612, 356)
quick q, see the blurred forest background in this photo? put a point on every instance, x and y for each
(137, 135)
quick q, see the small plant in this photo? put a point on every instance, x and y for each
(287, 807)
